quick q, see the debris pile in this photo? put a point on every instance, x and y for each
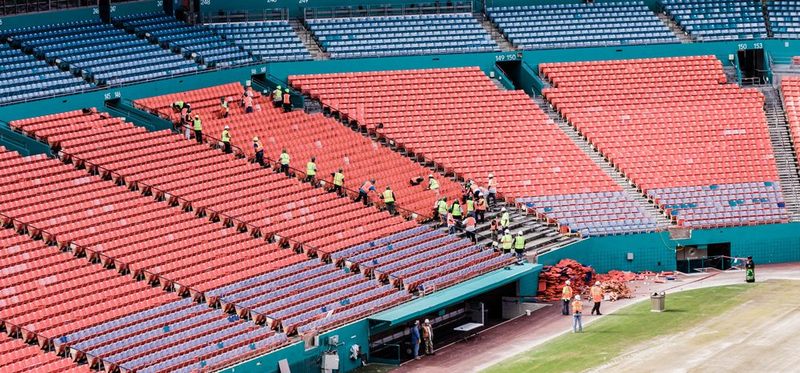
(554, 277)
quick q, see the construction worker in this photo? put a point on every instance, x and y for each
(469, 227)
(287, 101)
(415, 339)
(519, 244)
(427, 336)
(178, 106)
(197, 125)
(440, 210)
(577, 311)
(224, 111)
(284, 160)
(248, 104)
(185, 118)
(505, 219)
(492, 187)
(226, 140)
(597, 296)
(248, 92)
(311, 170)
(259, 149)
(470, 205)
(455, 209)
(389, 198)
(186, 122)
(474, 189)
(750, 270)
(277, 97)
(507, 242)
(363, 191)
(494, 227)
(451, 224)
(338, 182)
(566, 295)
(433, 184)
(480, 209)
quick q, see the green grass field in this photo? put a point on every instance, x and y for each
(616, 333)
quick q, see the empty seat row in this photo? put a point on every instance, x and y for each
(717, 19)
(267, 40)
(24, 78)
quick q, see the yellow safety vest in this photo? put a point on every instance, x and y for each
(505, 219)
(519, 243)
(179, 104)
(198, 125)
(433, 184)
(311, 169)
(455, 209)
(226, 136)
(338, 179)
(507, 241)
(225, 105)
(284, 159)
(470, 206)
(388, 196)
(442, 207)
(277, 95)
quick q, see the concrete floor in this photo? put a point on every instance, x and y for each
(503, 341)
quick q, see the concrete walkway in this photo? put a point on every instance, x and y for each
(503, 341)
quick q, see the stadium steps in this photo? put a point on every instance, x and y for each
(730, 74)
(682, 35)
(308, 40)
(600, 160)
(785, 154)
(495, 33)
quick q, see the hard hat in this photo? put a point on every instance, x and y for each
(503, 209)
(387, 187)
(519, 233)
(255, 138)
(279, 87)
(577, 297)
(568, 282)
(227, 127)
(427, 321)
(597, 283)
(196, 116)
(286, 90)
(491, 176)
(431, 175)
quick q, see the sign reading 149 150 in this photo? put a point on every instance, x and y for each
(508, 57)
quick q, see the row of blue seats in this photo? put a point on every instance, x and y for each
(472, 34)
(576, 42)
(549, 7)
(405, 24)
(445, 40)
(268, 41)
(23, 78)
(538, 15)
(544, 19)
(437, 29)
(384, 51)
(415, 17)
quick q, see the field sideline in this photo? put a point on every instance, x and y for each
(697, 328)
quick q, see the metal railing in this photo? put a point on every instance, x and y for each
(272, 14)
(369, 10)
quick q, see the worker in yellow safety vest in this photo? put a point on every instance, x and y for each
(506, 242)
(311, 170)
(197, 125)
(566, 295)
(338, 182)
(455, 209)
(433, 184)
(389, 199)
(440, 210)
(470, 205)
(505, 219)
(226, 140)
(363, 191)
(284, 160)
(519, 244)
(277, 97)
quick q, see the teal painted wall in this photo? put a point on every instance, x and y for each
(306, 361)
(145, 6)
(44, 18)
(774, 243)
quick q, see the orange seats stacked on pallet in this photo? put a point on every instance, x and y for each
(305, 136)
(697, 146)
(459, 119)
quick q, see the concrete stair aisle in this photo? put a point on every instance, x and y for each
(783, 147)
(308, 40)
(730, 74)
(495, 33)
(634, 193)
(682, 35)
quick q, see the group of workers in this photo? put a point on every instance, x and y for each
(576, 303)
(422, 334)
(282, 98)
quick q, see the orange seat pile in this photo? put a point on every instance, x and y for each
(304, 136)
(697, 146)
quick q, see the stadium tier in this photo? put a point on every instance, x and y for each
(790, 90)
(205, 180)
(458, 119)
(100, 52)
(305, 136)
(784, 19)
(19, 356)
(698, 147)
(401, 35)
(267, 40)
(23, 77)
(711, 20)
(580, 25)
(193, 41)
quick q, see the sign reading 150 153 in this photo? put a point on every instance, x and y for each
(744, 46)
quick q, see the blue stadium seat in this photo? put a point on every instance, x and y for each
(712, 20)
(22, 77)
(784, 18)
(267, 40)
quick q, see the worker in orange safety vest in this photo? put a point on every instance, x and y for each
(597, 297)
(566, 296)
